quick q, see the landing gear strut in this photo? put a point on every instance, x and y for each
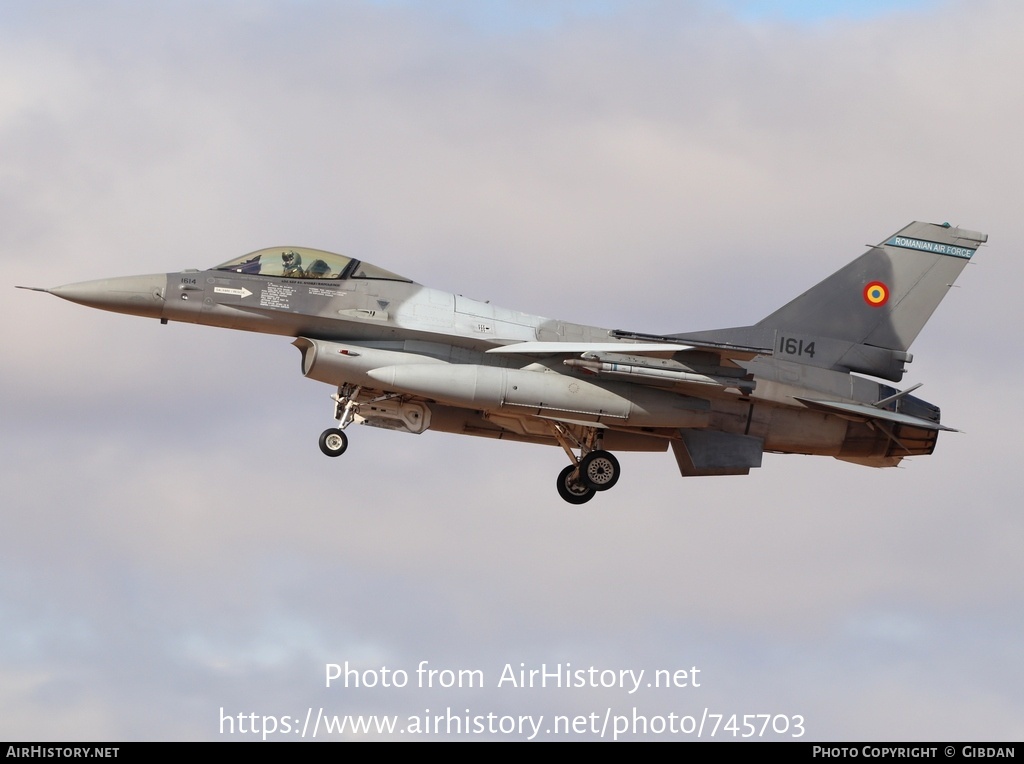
(594, 470)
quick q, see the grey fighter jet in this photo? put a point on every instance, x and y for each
(408, 357)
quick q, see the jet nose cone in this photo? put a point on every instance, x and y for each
(135, 295)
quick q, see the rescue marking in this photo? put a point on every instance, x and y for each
(243, 292)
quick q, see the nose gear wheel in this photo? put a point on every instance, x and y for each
(333, 442)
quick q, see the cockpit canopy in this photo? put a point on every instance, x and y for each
(306, 263)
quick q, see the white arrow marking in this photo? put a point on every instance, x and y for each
(243, 292)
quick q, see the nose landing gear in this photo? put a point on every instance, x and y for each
(333, 441)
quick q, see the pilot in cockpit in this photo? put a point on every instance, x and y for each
(292, 265)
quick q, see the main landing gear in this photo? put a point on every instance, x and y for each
(333, 441)
(595, 470)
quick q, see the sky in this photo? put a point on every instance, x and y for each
(176, 552)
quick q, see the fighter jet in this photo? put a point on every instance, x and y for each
(411, 358)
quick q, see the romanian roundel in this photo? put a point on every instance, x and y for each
(876, 294)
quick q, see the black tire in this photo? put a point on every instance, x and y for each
(599, 470)
(571, 490)
(333, 442)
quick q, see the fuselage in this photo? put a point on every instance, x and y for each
(408, 357)
(399, 323)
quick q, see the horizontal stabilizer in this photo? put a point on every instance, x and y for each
(864, 413)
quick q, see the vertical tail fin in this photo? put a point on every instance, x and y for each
(864, 316)
(884, 297)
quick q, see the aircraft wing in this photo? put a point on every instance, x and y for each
(661, 347)
(659, 364)
(654, 349)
